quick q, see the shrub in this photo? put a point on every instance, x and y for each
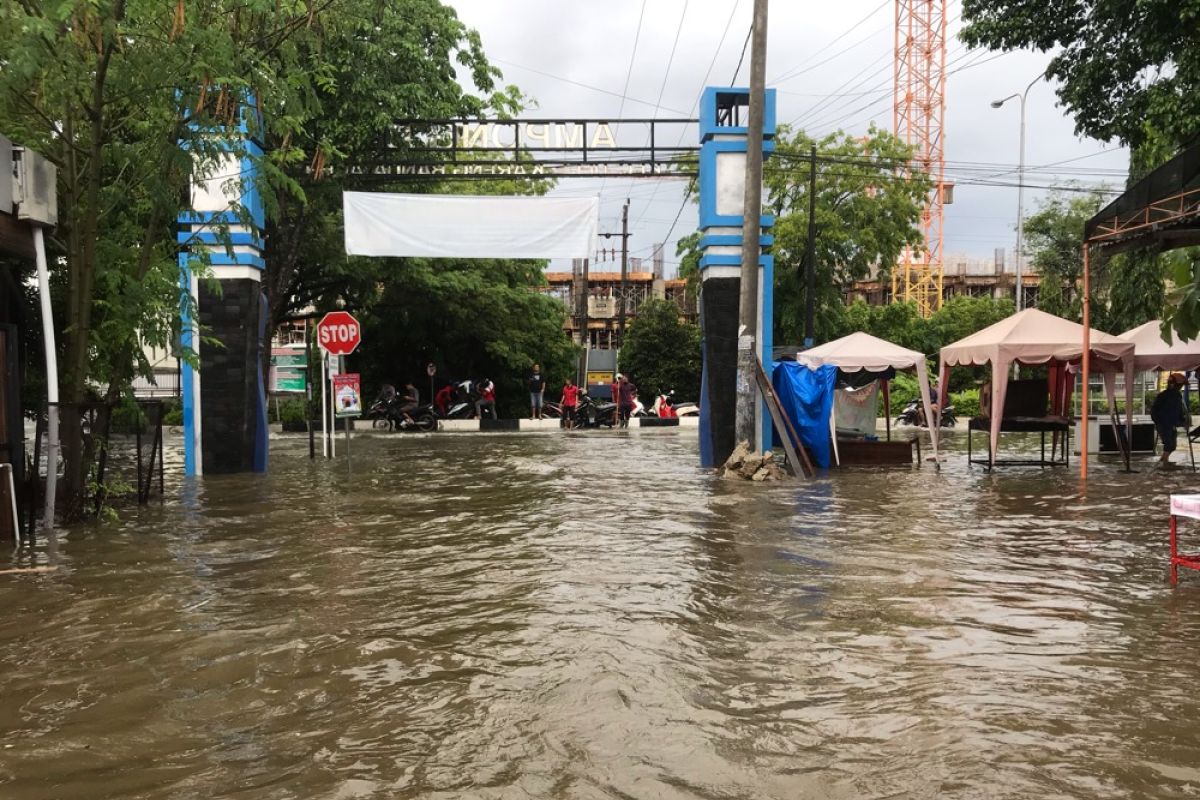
(966, 403)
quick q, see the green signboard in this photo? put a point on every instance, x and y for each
(289, 382)
(292, 360)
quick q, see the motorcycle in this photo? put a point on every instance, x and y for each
(663, 409)
(592, 413)
(385, 413)
(914, 414)
(424, 419)
(463, 405)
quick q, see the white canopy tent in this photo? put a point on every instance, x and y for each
(1152, 351)
(1032, 337)
(862, 352)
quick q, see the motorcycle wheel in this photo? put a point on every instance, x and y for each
(426, 423)
(380, 422)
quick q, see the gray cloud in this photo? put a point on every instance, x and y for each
(592, 43)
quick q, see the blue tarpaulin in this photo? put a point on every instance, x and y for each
(806, 396)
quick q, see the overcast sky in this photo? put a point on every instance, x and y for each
(549, 47)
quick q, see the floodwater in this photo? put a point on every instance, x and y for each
(590, 615)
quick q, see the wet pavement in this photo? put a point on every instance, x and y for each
(591, 615)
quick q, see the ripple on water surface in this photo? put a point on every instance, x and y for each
(591, 615)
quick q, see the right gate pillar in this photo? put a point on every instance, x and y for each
(722, 185)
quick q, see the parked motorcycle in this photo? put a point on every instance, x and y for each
(463, 406)
(914, 414)
(592, 413)
(663, 406)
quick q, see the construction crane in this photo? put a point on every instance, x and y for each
(918, 117)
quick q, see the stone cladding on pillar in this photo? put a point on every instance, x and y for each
(224, 402)
(722, 181)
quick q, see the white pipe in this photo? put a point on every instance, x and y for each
(324, 408)
(43, 275)
(333, 407)
(197, 417)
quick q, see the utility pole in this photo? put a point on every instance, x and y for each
(624, 269)
(810, 254)
(747, 396)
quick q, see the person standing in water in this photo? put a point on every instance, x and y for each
(537, 389)
(1169, 413)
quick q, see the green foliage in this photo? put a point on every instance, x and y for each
(1122, 69)
(1126, 290)
(291, 410)
(472, 318)
(966, 403)
(662, 352)
(173, 417)
(864, 216)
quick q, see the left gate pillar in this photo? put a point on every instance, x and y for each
(722, 187)
(225, 322)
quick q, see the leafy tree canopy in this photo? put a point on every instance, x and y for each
(1124, 68)
(662, 352)
(865, 216)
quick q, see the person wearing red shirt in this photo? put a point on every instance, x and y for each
(443, 398)
(487, 400)
(570, 399)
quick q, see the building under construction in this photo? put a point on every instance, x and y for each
(600, 316)
(963, 276)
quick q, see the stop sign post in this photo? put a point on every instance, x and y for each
(338, 334)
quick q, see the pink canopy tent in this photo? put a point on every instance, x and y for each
(860, 352)
(1032, 337)
(1153, 351)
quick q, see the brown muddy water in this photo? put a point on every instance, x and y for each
(592, 616)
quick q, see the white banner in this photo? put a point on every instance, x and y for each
(469, 226)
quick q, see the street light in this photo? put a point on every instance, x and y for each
(1020, 185)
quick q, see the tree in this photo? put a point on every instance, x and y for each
(1054, 237)
(662, 352)
(474, 318)
(127, 98)
(380, 62)
(865, 215)
(1123, 68)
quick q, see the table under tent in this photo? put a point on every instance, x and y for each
(1035, 338)
(1154, 352)
(866, 365)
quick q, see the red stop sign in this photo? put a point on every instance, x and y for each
(338, 333)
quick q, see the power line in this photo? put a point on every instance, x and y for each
(789, 74)
(671, 58)
(589, 86)
(742, 57)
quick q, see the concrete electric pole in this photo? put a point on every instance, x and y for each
(624, 270)
(747, 395)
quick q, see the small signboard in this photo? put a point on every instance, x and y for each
(287, 371)
(599, 377)
(347, 395)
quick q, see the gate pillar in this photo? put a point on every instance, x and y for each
(224, 402)
(722, 182)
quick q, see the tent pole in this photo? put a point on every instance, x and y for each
(1087, 346)
(887, 409)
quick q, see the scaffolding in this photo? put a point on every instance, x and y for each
(918, 117)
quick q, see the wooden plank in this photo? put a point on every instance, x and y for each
(784, 424)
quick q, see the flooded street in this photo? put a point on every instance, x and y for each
(591, 615)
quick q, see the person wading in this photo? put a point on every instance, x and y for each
(537, 389)
(570, 399)
(487, 399)
(1169, 413)
(626, 391)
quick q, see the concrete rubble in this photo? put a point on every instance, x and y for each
(748, 465)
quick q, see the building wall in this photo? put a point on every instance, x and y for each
(604, 297)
